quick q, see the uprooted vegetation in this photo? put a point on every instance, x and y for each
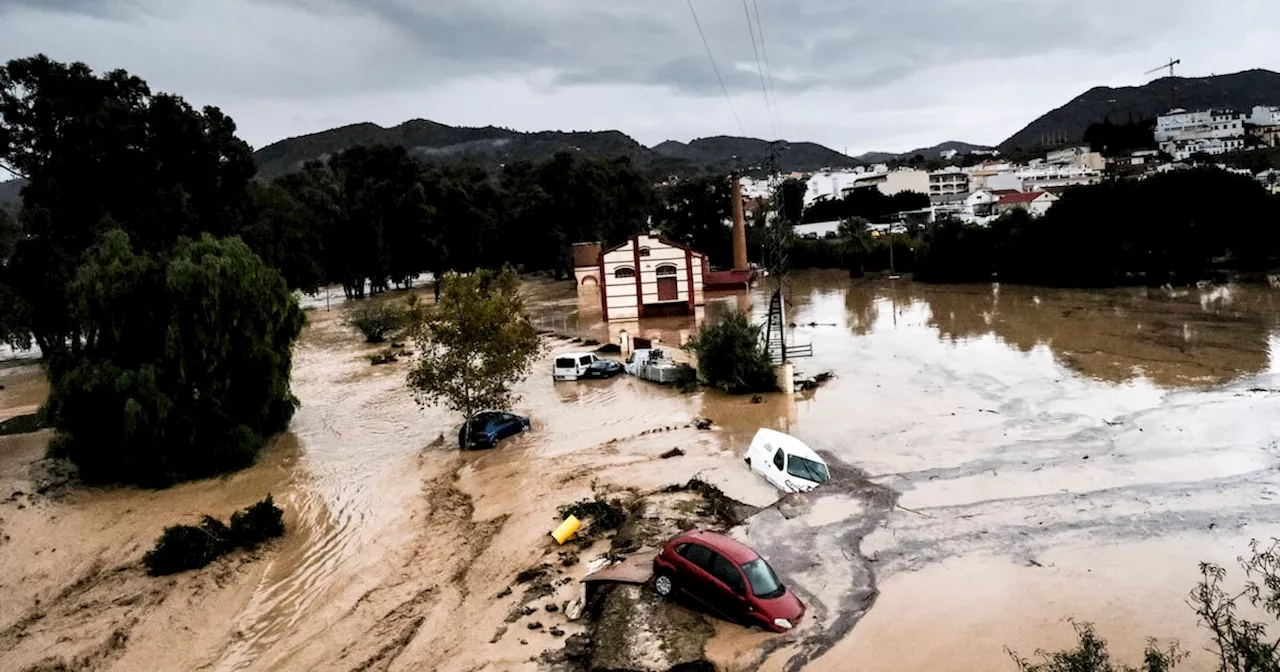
(600, 512)
(184, 547)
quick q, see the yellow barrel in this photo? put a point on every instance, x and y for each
(566, 529)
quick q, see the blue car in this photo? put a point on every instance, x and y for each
(490, 427)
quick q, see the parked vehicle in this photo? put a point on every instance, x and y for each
(726, 578)
(603, 368)
(490, 427)
(653, 365)
(572, 365)
(583, 365)
(786, 462)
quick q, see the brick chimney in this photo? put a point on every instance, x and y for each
(739, 227)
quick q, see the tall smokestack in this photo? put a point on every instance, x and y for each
(739, 227)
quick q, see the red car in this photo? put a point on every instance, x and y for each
(727, 578)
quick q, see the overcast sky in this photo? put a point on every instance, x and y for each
(854, 75)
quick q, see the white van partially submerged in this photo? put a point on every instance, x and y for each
(786, 462)
(572, 365)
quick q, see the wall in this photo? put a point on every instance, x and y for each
(620, 293)
(905, 179)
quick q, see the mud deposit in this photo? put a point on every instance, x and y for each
(1004, 459)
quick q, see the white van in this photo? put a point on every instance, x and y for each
(572, 365)
(786, 462)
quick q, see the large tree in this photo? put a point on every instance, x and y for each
(103, 151)
(185, 363)
(695, 212)
(475, 343)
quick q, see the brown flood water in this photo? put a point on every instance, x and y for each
(1005, 458)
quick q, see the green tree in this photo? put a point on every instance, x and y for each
(100, 152)
(695, 212)
(185, 363)
(855, 243)
(790, 199)
(474, 344)
(732, 356)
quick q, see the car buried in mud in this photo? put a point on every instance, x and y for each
(786, 462)
(726, 578)
(490, 427)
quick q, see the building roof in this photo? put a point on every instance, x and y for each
(1019, 198)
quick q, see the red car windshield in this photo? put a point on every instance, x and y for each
(764, 583)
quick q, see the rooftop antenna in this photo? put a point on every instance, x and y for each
(1173, 101)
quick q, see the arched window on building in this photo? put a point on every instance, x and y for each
(625, 272)
(666, 269)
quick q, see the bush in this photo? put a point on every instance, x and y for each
(184, 547)
(184, 362)
(733, 358)
(1238, 644)
(256, 524)
(1091, 655)
(377, 320)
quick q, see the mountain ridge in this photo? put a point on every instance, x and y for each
(492, 146)
(1066, 124)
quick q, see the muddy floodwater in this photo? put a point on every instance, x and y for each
(1004, 459)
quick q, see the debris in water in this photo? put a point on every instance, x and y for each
(674, 452)
(556, 632)
(758, 399)
(566, 529)
(497, 635)
(609, 349)
(505, 592)
(552, 608)
(532, 573)
(535, 625)
(387, 357)
(702, 424)
(604, 514)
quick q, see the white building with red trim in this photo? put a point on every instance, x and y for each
(1035, 202)
(647, 276)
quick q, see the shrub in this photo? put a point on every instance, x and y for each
(732, 356)
(1091, 655)
(377, 320)
(184, 547)
(256, 524)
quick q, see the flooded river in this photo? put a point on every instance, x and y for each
(1006, 458)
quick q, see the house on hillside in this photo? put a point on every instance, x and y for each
(647, 276)
(1034, 202)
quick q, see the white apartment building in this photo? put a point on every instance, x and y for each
(1182, 133)
(1054, 177)
(1081, 157)
(948, 181)
(1265, 115)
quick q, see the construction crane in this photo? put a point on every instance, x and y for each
(1172, 62)
(1173, 87)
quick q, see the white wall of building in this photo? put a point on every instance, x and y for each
(1265, 115)
(656, 257)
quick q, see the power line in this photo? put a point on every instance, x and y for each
(768, 69)
(764, 88)
(715, 67)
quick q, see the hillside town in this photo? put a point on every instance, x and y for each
(991, 185)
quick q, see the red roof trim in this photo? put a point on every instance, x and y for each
(1018, 198)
